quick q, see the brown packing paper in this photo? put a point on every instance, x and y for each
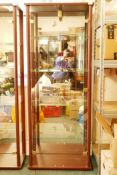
(103, 122)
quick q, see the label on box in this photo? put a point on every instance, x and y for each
(111, 32)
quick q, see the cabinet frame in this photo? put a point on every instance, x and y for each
(88, 56)
(19, 147)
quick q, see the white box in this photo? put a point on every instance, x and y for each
(104, 138)
(114, 152)
(106, 162)
(113, 171)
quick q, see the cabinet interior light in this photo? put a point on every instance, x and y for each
(60, 14)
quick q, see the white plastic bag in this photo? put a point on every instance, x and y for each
(43, 81)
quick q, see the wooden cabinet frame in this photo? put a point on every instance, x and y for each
(86, 9)
(16, 163)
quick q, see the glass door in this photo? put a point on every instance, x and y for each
(58, 86)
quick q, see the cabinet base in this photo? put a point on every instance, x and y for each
(60, 156)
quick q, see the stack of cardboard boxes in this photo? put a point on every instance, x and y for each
(109, 157)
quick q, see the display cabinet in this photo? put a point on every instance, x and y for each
(105, 76)
(59, 85)
(12, 106)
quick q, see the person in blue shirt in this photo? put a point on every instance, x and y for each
(62, 65)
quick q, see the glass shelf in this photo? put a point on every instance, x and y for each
(2, 76)
(50, 104)
(109, 109)
(58, 70)
(6, 100)
(106, 63)
(110, 21)
(6, 44)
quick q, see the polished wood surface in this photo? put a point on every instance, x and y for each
(89, 105)
(69, 9)
(8, 160)
(67, 148)
(8, 156)
(29, 83)
(16, 85)
(60, 156)
(61, 161)
(22, 84)
(8, 148)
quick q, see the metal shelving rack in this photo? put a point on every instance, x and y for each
(107, 109)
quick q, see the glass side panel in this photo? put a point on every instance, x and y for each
(7, 90)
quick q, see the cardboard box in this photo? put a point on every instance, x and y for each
(110, 45)
(114, 152)
(113, 171)
(110, 85)
(106, 162)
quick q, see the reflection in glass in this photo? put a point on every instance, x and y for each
(57, 85)
(7, 89)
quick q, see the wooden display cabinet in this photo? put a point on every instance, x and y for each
(54, 140)
(12, 102)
